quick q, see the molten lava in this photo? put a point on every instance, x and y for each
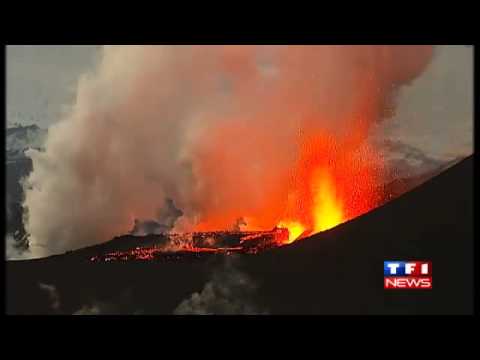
(327, 209)
(168, 247)
(335, 178)
(295, 230)
(333, 182)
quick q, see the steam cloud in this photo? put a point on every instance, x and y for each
(216, 129)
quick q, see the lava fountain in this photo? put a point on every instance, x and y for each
(333, 182)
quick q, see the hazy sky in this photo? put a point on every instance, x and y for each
(41, 80)
(435, 113)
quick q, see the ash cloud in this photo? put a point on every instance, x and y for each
(229, 292)
(165, 220)
(217, 129)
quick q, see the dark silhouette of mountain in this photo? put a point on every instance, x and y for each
(400, 185)
(19, 129)
(20, 138)
(15, 171)
(339, 271)
(18, 166)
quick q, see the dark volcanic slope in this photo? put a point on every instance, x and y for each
(336, 272)
(339, 271)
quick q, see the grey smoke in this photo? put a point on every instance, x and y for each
(53, 295)
(229, 292)
(94, 309)
(102, 308)
(15, 249)
(98, 308)
(122, 305)
(165, 220)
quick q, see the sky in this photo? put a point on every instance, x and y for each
(435, 113)
(42, 80)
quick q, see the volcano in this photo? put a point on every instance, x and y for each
(338, 271)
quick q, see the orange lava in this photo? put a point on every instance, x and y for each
(334, 182)
(334, 179)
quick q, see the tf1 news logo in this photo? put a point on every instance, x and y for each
(400, 275)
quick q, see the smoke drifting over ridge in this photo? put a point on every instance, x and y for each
(229, 292)
(217, 129)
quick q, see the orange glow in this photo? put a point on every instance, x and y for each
(295, 230)
(334, 181)
(327, 209)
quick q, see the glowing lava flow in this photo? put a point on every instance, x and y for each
(328, 187)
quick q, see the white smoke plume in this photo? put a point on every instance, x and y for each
(214, 128)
